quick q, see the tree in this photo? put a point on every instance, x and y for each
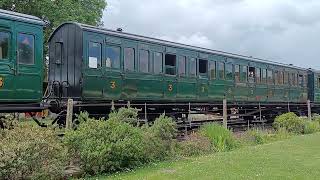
(57, 11)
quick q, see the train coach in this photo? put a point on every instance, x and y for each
(92, 64)
(98, 67)
(21, 62)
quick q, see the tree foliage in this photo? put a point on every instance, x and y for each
(57, 11)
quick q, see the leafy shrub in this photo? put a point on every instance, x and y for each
(106, 146)
(117, 144)
(195, 145)
(30, 152)
(311, 127)
(220, 137)
(316, 117)
(290, 121)
(8, 122)
(160, 138)
(125, 114)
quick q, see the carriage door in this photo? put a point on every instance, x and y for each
(7, 62)
(93, 83)
(252, 83)
(29, 62)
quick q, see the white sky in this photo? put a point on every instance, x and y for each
(285, 31)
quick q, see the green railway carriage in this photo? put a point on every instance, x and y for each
(95, 64)
(21, 58)
(314, 85)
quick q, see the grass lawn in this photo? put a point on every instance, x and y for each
(295, 158)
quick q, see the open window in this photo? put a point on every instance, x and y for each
(170, 64)
(203, 68)
(4, 45)
(229, 71)
(251, 74)
(94, 55)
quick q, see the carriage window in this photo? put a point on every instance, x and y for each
(157, 63)
(212, 69)
(264, 76)
(285, 78)
(4, 45)
(170, 64)
(251, 74)
(113, 57)
(182, 65)
(203, 68)
(293, 79)
(237, 73)
(144, 61)
(221, 70)
(193, 67)
(229, 71)
(276, 78)
(258, 75)
(129, 60)
(25, 49)
(280, 77)
(244, 74)
(300, 80)
(305, 81)
(270, 77)
(94, 55)
(58, 52)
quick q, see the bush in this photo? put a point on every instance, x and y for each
(30, 152)
(117, 144)
(8, 122)
(316, 117)
(106, 146)
(220, 137)
(195, 145)
(290, 121)
(311, 127)
(160, 139)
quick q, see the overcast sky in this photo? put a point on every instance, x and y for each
(285, 31)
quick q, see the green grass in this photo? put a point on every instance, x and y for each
(295, 158)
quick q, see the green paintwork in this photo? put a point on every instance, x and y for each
(114, 84)
(21, 83)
